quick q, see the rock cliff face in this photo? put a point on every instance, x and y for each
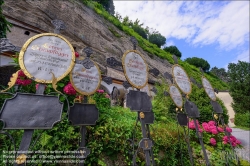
(83, 28)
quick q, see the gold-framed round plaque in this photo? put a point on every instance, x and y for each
(208, 88)
(135, 68)
(181, 79)
(44, 54)
(85, 81)
(176, 96)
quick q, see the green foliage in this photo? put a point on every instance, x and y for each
(173, 50)
(242, 119)
(4, 24)
(239, 81)
(157, 38)
(199, 62)
(201, 99)
(138, 29)
(115, 32)
(220, 73)
(108, 5)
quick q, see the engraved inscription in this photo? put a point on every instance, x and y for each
(47, 54)
(208, 88)
(135, 69)
(176, 96)
(181, 79)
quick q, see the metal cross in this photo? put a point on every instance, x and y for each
(134, 41)
(59, 25)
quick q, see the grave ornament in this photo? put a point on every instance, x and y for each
(136, 73)
(85, 76)
(86, 79)
(44, 54)
(183, 82)
(45, 58)
(217, 113)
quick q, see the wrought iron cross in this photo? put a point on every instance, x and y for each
(59, 25)
(134, 41)
(6, 45)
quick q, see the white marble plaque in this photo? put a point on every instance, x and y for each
(46, 53)
(135, 69)
(208, 88)
(181, 79)
(85, 81)
(176, 96)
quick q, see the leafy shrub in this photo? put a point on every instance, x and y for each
(242, 119)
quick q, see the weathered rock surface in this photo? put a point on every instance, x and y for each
(84, 28)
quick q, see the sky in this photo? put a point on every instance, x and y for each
(217, 31)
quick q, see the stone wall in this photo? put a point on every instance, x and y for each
(84, 28)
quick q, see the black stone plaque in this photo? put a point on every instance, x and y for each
(149, 117)
(138, 101)
(31, 111)
(216, 106)
(83, 114)
(182, 119)
(191, 110)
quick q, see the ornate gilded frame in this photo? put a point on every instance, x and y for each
(205, 88)
(85, 93)
(176, 65)
(172, 96)
(23, 50)
(123, 65)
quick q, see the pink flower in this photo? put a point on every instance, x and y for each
(191, 124)
(76, 54)
(228, 129)
(220, 129)
(232, 138)
(224, 142)
(205, 126)
(200, 130)
(100, 91)
(21, 74)
(225, 138)
(27, 82)
(213, 141)
(23, 82)
(68, 89)
(211, 123)
(237, 142)
(214, 131)
(234, 144)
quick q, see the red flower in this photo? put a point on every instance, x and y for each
(77, 54)
(220, 129)
(69, 89)
(229, 129)
(213, 141)
(214, 131)
(100, 91)
(21, 74)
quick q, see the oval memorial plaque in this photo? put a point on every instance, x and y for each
(176, 96)
(85, 81)
(208, 88)
(44, 54)
(135, 68)
(181, 79)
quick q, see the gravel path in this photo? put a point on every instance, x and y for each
(244, 137)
